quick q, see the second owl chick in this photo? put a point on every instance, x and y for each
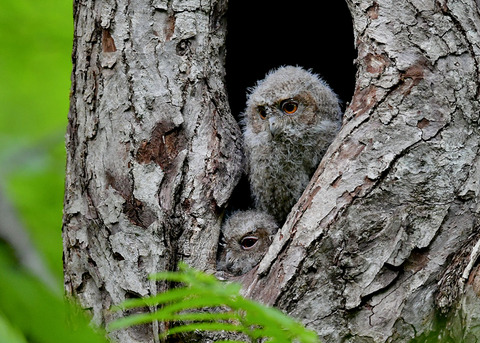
(246, 238)
(290, 120)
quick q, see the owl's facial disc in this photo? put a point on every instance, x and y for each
(248, 242)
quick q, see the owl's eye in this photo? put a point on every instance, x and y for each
(262, 112)
(248, 242)
(289, 106)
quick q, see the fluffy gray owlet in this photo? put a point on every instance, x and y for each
(291, 118)
(246, 238)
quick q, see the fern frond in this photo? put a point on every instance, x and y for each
(144, 318)
(204, 303)
(204, 327)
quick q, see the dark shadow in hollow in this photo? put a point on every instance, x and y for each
(267, 34)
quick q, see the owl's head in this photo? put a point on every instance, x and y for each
(246, 238)
(291, 101)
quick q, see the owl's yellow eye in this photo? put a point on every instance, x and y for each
(289, 106)
(262, 112)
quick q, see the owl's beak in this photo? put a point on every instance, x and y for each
(228, 260)
(272, 124)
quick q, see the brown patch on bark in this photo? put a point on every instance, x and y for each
(337, 180)
(138, 213)
(423, 123)
(372, 11)
(364, 100)
(169, 27)
(350, 150)
(415, 73)
(307, 204)
(376, 64)
(413, 76)
(163, 148)
(134, 209)
(121, 184)
(417, 261)
(474, 280)
(360, 191)
(164, 145)
(108, 44)
(256, 285)
(443, 6)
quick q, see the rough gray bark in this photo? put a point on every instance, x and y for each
(153, 152)
(384, 240)
(367, 253)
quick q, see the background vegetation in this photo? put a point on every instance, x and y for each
(35, 67)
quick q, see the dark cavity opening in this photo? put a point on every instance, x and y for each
(268, 34)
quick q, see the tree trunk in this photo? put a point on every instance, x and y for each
(153, 151)
(384, 243)
(367, 253)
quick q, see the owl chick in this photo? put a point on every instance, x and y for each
(246, 238)
(290, 120)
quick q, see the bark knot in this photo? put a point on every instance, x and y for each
(163, 147)
(108, 44)
(376, 64)
(136, 212)
(372, 11)
(364, 100)
(413, 76)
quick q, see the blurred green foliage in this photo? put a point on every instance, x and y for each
(32, 312)
(35, 66)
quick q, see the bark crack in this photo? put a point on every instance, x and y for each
(470, 44)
